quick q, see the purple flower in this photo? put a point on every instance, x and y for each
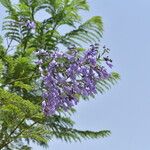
(103, 73)
(30, 24)
(57, 55)
(92, 61)
(65, 81)
(39, 62)
(108, 61)
(84, 70)
(70, 57)
(48, 108)
(109, 64)
(90, 52)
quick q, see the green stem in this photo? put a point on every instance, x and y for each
(9, 45)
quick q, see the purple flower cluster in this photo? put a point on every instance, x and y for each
(30, 24)
(68, 76)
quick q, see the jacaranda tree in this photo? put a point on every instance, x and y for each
(45, 71)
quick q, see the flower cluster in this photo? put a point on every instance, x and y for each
(30, 24)
(68, 76)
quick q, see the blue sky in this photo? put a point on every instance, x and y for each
(125, 108)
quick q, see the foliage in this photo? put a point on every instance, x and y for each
(21, 116)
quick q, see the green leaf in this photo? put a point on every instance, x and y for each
(88, 32)
(23, 86)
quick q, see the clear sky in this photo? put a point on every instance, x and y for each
(125, 108)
